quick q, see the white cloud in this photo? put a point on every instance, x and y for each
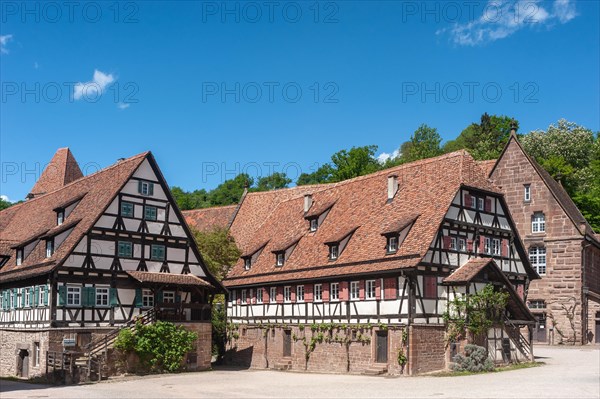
(91, 90)
(123, 105)
(384, 156)
(3, 42)
(501, 19)
(5, 198)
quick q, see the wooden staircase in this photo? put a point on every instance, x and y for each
(522, 343)
(94, 361)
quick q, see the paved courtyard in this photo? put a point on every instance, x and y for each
(568, 373)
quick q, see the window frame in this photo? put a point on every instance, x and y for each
(300, 293)
(480, 204)
(74, 292)
(158, 246)
(334, 251)
(126, 244)
(27, 302)
(60, 217)
(144, 188)
(527, 193)
(153, 216)
(535, 256)
(20, 256)
(125, 214)
(538, 223)
(334, 292)
(147, 298)
(462, 245)
(453, 243)
(279, 259)
(392, 249)
(496, 247)
(50, 247)
(102, 292)
(313, 224)
(36, 354)
(354, 290)
(171, 296)
(273, 294)
(259, 295)
(41, 294)
(243, 296)
(318, 293)
(247, 263)
(487, 246)
(287, 294)
(371, 289)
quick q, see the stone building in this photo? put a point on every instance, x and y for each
(355, 275)
(84, 256)
(563, 249)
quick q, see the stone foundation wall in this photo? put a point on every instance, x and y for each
(263, 348)
(12, 341)
(427, 350)
(203, 346)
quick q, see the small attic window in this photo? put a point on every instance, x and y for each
(314, 224)
(279, 258)
(19, 256)
(334, 251)
(49, 247)
(60, 217)
(247, 263)
(392, 244)
(145, 187)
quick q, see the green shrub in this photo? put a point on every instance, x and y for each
(475, 359)
(160, 346)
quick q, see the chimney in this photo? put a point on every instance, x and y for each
(513, 127)
(307, 202)
(392, 186)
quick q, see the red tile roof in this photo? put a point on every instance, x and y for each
(209, 218)
(468, 271)
(35, 217)
(61, 170)
(487, 166)
(426, 188)
(167, 278)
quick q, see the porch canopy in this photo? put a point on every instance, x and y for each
(184, 280)
(485, 270)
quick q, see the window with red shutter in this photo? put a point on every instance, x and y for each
(469, 245)
(308, 293)
(488, 204)
(430, 289)
(325, 292)
(378, 289)
(505, 248)
(446, 240)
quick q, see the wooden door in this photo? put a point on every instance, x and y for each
(539, 334)
(382, 347)
(287, 343)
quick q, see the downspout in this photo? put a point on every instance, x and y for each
(584, 297)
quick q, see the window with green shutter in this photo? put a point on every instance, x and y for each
(125, 249)
(127, 209)
(36, 295)
(114, 297)
(62, 295)
(150, 212)
(145, 187)
(157, 252)
(138, 298)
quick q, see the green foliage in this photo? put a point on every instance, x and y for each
(230, 191)
(321, 175)
(218, 249)
(273, 182)
(219, 325)
(345, 164)
(424, 143)
(475, 313)
(475, 359)
(4, 204)
(160, 346)
(190, 200)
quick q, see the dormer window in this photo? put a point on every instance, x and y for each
(279, 258)
(314, 224)
(19, 256)
(247, 263)
(49, 247)
(60, 217)
(334, 252)
(145, 187)
(392, 244)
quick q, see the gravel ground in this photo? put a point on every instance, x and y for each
(568, 373)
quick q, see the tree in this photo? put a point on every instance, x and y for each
(321, 175)
(4, 204)
(356, 162)
(424, 143)
(230, 191)
(273, 182)
(190, 200)
(485, 140)
(218, 249)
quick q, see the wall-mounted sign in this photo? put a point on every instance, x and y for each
(69, 341)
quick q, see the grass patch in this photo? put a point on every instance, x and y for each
(510, 367)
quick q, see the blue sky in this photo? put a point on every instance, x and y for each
(214, 89)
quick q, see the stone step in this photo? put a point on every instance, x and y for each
(283, 365)
(375, 370)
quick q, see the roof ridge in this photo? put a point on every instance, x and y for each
(110, 167)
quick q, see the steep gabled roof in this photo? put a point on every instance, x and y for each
(61, 170)
(426, 188)
(557, 191)
(36, 217)
(209, 218)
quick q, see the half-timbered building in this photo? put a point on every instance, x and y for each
(86, 255)
(356, 276)
(562, 246)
